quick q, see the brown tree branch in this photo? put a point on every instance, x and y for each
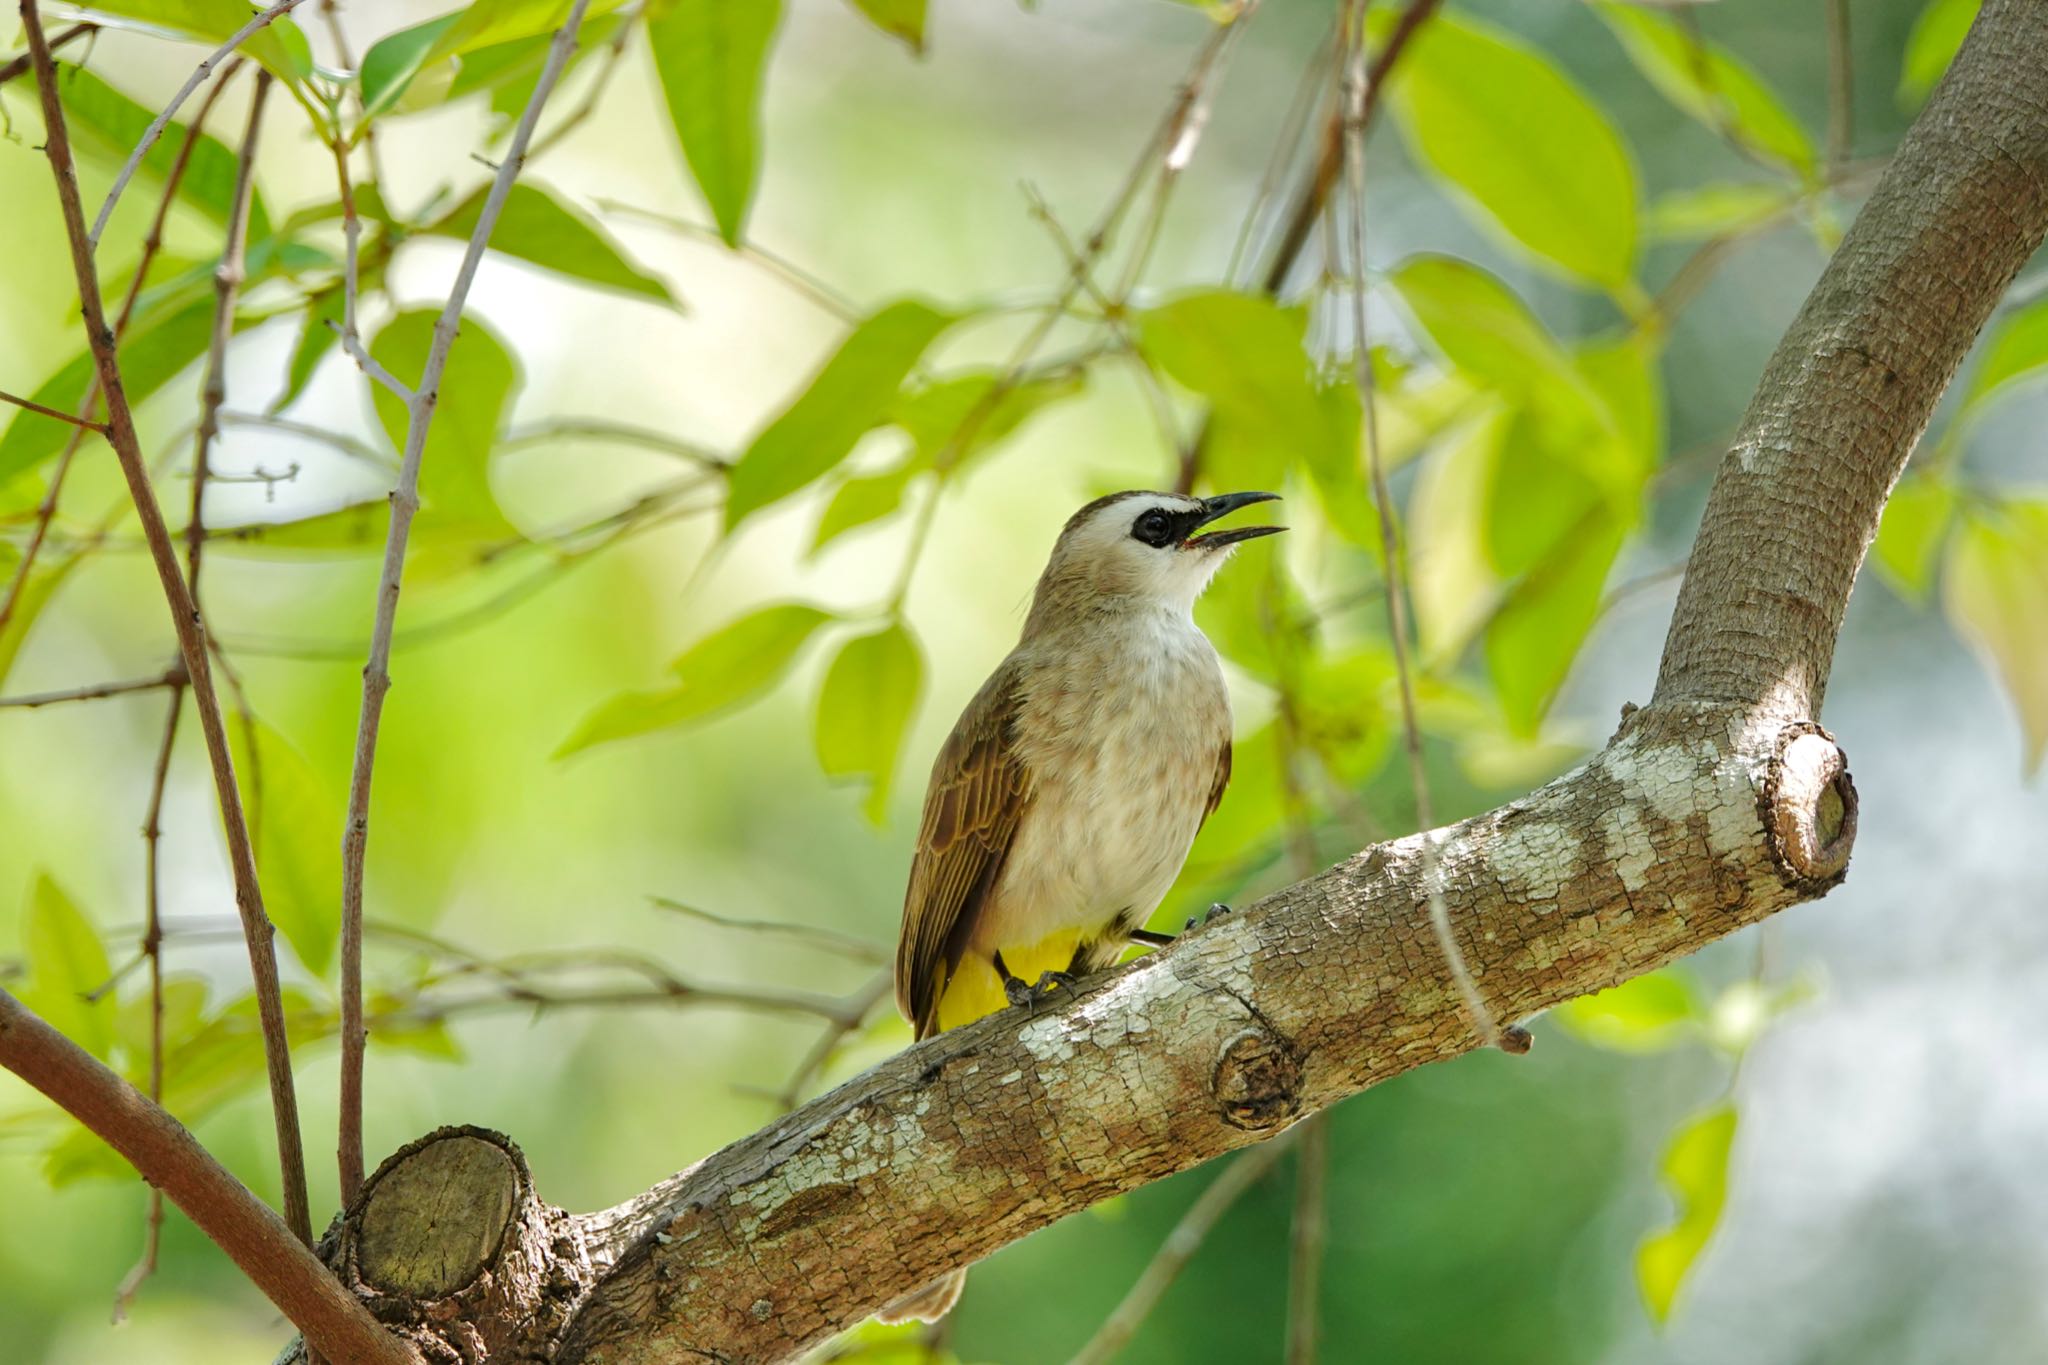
(405, 501)
(32, 406)
(191, 631)
(172, 1160)
(1715, 806)
(152, 243)
(20, 65)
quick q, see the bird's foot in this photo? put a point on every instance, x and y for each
(1029, 995)
(1216, 911)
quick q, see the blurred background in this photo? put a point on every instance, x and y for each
(1875, 1196)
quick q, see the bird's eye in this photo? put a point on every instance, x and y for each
(1154, 528)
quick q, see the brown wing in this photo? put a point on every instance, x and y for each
(1221, 780)
(979, 789)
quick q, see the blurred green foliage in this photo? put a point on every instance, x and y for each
(648, 563)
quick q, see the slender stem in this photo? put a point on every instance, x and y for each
(1841, 87)
(227, 282)
(191, 630)
(153, 953)
(20, 65)
(376, 673)
(35, 407)
(1310, 1235)
(163, 119)
(152, 243)
(1235, 1181)
(1357, 99)
(28, 701)
(171, 1159)
(352, 236)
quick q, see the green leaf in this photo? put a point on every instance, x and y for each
(318, 336)
(541, 230)
(66, 964)
(864, 709)
(106, 123)
(898, 18)
(1452, 581)
(862, 501)
(1706, 82)
(43, 581)
(1596, 416)
(1535, 636)
(1696, 1172)
(1648, 1013)
(1915, 526)
(1936, 37)
(396, 60)
(710, 56)
(935, 415)
(393, 60)
(732, 665)
(278, 45)
(1245, 355)
(1715, 210)
(476, 396)
(295, 822)
(2016, 352)
(152, 354)
(1522, 145)
(1995, 588)
(852, 393)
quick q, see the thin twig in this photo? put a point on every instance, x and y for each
(802, 281)
(191, 632)
(859, 1006)
(376, 673)
(173, 676)
(1356, 101)
(352, 236)
(227, 283)
(1308, 1238)
(162, 120)
(1231, 1185)
(1841, 87)
(152, 952)
(171, 1159)
(846, 945)
(597, 429)
(35, 407)
(21, 64)
(1314, 193)
(152, 243)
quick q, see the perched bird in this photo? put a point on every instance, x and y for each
(1064, 802)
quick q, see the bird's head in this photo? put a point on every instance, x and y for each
(1143, 547)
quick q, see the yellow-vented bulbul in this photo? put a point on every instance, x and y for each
(1064, 802)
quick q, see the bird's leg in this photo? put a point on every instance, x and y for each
(1152, 940)
(1028, 994)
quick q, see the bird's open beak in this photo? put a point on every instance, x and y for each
(1223, 504)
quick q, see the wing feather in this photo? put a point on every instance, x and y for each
(979, 790)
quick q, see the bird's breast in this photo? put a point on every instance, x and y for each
(1122, 731)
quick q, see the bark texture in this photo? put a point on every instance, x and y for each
(1718, 804)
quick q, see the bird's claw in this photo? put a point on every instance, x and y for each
(1029, 996)
(1216, 911)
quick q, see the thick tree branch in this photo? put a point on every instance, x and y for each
(171, 1159)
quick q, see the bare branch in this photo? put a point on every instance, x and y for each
(35, 407)
(171, 677)
(152, 243)
(20, 65)
(1177, 1250)
(376, 673)
(171, 1159)
(191, 631)
(162, 120)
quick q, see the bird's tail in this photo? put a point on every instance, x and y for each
(928, 1304)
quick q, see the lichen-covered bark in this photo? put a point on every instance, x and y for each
(1719, 803)
(979, 1136)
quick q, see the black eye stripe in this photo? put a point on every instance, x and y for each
(1159, 528)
